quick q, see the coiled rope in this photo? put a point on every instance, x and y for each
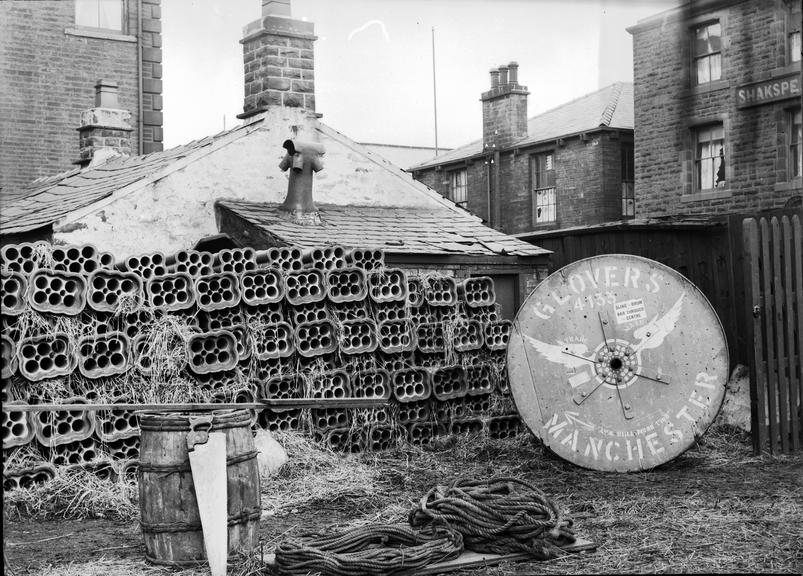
(372, 550)
(498, 516)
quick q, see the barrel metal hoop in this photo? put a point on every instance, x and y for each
(172, 427)
(230, 461)
(245, 515)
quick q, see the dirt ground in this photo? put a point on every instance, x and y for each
(716, 508)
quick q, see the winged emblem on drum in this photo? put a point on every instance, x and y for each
(615, 360)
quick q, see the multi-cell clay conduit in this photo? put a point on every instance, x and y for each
(271, 328)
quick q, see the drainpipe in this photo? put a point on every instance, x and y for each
(497, 192)
(140, 122)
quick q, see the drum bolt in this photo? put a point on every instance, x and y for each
(627, 406)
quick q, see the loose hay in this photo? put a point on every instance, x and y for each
(76, 494)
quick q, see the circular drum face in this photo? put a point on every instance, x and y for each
(617, 363)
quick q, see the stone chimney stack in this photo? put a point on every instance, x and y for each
(504, 108)
(279, 60)
(105, 131)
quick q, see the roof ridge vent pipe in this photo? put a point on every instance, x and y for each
(303, 158)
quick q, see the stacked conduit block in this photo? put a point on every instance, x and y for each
(109, 289)
(477, 292)
(192, 262)
(497, 334)
(145, 265)
(171, 292)
(212, 351)
(104, 355)
(326, 258)
(17, 430)
(260, 287)
(9, 357)
(77, 259)
(283, 323)
(235, 260)
(217, 291)
(56, 292)
(29, 477)
(15, 293)
(63, 426)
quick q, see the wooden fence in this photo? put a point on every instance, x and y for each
(772, 249)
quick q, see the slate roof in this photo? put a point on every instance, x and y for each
(610, 107)
(394, 230)
(403, 156)
(45, 200)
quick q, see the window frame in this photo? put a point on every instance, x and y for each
(794, 145)
(628, 183)
(697, 57)
(698, 159)
(123, 5)
(543, 181)
(453, 186)
(793, 26)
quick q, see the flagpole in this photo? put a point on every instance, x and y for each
(434, 92)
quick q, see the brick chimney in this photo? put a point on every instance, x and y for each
(279, 61)
(504, 108)
(104, 131)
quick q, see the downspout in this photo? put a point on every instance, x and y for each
(488, 191)
(140, 122)
(497, 192)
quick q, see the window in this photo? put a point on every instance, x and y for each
(458, 187)
(795, 137)
(628, 177)
(709, 157)
(794, 46)
(106, 14)
(707, 54)
(543, 178)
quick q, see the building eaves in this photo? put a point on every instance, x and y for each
(394, 230)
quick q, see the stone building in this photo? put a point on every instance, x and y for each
(570, 166)
(53, 54)
(231, 184)
(718, 108)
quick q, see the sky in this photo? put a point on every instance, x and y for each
(374, 61)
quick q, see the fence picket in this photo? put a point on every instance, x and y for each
(778, 333)
(768, 315)
(791, 356)
(758, 376)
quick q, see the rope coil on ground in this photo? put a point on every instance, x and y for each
(373, 550)
(499, 516)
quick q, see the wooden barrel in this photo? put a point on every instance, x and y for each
(171, 524)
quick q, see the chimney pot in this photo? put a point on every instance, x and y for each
(513, 72)
(276, 8)
(106, 94)
(502, 75)
(494, 77)
(104, 131)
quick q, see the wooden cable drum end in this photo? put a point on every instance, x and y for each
(617, 363)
